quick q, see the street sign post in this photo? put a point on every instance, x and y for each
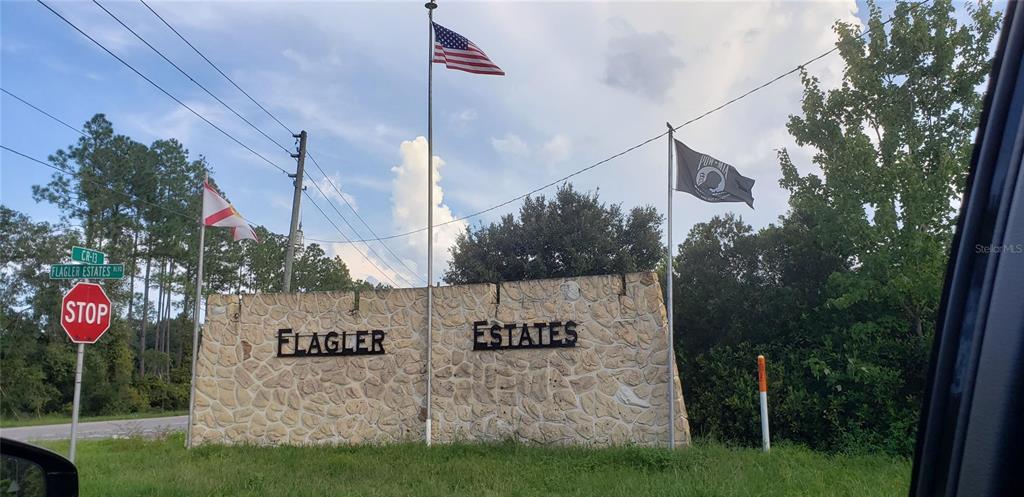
(87, 271)
(85, 311)
(88, 256)
(85, 316)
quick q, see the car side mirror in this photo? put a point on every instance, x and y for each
(30, 471)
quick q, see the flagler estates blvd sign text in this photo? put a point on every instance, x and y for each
(87, 272)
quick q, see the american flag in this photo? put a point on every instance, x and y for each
(456, 52)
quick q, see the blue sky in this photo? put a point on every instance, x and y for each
(584, 81)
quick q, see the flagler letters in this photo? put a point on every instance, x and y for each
(367, 342)
(552, 334)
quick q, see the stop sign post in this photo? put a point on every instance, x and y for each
(85, 313)
(85, 317)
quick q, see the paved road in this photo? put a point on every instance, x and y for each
(99, 429)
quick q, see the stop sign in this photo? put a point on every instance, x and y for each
(85, 313)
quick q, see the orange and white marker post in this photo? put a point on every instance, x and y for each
(762, 386)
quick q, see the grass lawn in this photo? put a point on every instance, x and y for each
(56, 419)
(164, 468)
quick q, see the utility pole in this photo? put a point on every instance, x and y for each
(296, 200)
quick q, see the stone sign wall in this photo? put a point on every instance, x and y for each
(557, 361)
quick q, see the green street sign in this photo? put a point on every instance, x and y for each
(88, 256)
(87, 272)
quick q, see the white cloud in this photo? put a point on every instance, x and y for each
(179, 122)
(727, 49)
(299, 59)
(358, 260)
(641, 63)
(587, 98)
(574, 115)
(409, 201)
(280, 202)
(511, 145)
(333, 189)
(372, 183)
(461, 120)
(556, 150)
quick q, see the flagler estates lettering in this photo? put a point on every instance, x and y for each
(367, 342)
(496, 336)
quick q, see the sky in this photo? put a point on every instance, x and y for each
(584, 81)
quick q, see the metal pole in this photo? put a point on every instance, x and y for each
(296, 200)
(430, 209)
(195, 330)
(76, 403)
(668, 291)
(762, 386)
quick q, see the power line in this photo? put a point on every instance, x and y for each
(420, 230)
(265, 135)
(96, 183)
(165, 92)
(47, 114)
(126, 195)
(347, 223)
(564, 178)
(65, 171)
(353, 209)
(634, 147)
(208, 61)
(172, 211)
(187, 75)
(397, 273)
(272, 116)
(310, 198)
(43, 112)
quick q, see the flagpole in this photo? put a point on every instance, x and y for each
(668, 284)
(195, 324)
(430, 5)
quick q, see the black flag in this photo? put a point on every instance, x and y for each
(710, 179)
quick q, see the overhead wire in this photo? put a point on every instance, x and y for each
(272, 116)
(370, 229)
(47, 114)
(634, 147)
(158, 52)
(535, 190)
(222, 73)
(189, 76)
(382, 260)
(65, 171)
(381, 271)
(97, 183)
(157, 86)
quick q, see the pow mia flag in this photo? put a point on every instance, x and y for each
(710, 179)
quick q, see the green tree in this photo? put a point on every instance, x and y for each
(314, 271)
(893, 142)
(139, 204)
(841, 295)
(33, 349)
(574, 234)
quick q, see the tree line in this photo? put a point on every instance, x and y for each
(141, 205)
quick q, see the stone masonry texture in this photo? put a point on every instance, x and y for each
(610, 389)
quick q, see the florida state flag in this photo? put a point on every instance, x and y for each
(220, 213)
